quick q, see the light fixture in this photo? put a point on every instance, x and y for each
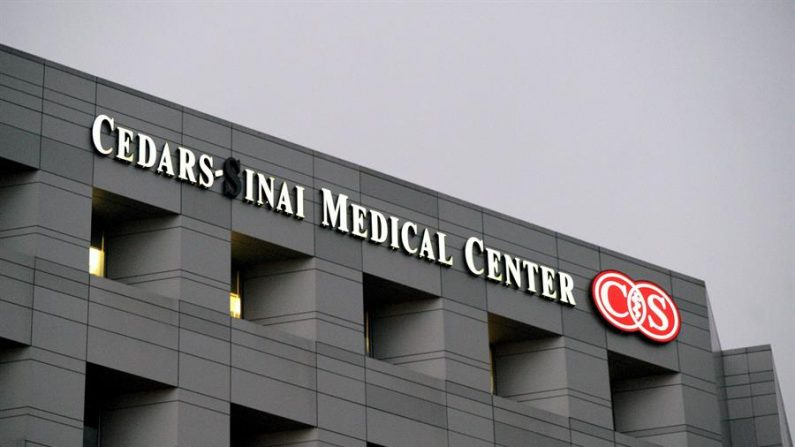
(235, 300)
(96, 257)
(235, 305)
(368, 342)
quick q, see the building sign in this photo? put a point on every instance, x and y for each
(424, 243)
(632, 306)
(339, 213)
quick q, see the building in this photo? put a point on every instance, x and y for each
(247, 291)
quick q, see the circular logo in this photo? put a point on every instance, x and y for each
(636, 306)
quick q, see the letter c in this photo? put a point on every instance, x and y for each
(408, 227)
(96, 133)
(603, 297)
(468, 252)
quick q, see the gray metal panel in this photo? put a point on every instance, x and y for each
(207, 130)
(70, 84)
(266, 149)
(139, 107)
(402, 195)
(67, 161)
(20, 117)
(65, 131)
(19, 146)
(21, 67)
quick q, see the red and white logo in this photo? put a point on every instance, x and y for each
(636, 306)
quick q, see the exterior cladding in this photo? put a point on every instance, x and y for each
(161, 316)
(755, 410)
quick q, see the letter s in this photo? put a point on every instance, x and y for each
(654, 306)
(232, 183)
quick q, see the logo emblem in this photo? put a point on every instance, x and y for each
(636, 306)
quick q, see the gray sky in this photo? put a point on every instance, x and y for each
(661, 130)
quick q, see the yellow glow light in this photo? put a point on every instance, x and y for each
(368, 347)
(96, 261)
(235, 305)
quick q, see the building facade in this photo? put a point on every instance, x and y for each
(169, 278)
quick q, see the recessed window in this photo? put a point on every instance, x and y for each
(267, 283)
(403, 326)
(117, 237)
(114, 398)
(637, 384)
(520, 358)
(249, 427)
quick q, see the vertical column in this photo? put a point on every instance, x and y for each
(281, 294)
(20, 109)
(46, 219)
(304, 437)
(163, 417)
(341, 413)
(411, 334)
(46, 216)
(556, 374)
(341, 392)
(42, 400)
(174, 256)
(204, 332)
(584, 332)
(16, 296)
(204, 376)
(321, 301)
(185, 257)
(466, 331)
(755, 409)
(663, 410)
(142, 418)
(436, 336)
(341, 409)
(308, 297)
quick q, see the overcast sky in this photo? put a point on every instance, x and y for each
(662, 130)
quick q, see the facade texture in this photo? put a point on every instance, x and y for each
(342, 341)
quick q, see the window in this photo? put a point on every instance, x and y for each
(403, 326)
(521, 357)
(121, 233)
(250, 427)
(118, 406)
(636, 384)
(269, 283)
